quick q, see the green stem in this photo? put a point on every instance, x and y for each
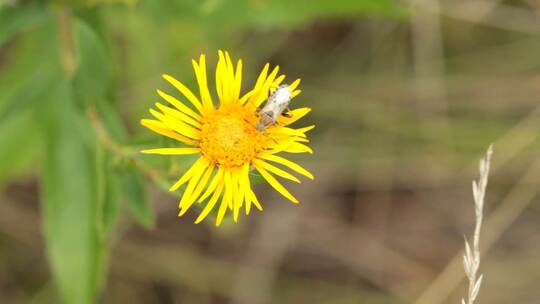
(124, 152)
(67, 43)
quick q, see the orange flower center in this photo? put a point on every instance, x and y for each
(229, 137)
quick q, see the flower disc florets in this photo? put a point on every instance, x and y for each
(229, 137)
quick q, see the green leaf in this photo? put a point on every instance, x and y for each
(108, 184)
(93, 78)
(20, 143)
(256, 178)
(269, 14)
(136, 198)
(111, 204)
(26, 74)
(92, 84)
(112, 121)
(282, 13)
(14, 19)
(71, 207)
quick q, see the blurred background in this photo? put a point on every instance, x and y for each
(406, 97)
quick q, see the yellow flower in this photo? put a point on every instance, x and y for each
(227, 140)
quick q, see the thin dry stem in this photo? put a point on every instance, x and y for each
(471, 258)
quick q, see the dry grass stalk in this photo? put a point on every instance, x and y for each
(471, 258)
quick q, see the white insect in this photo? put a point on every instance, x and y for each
(276, 104)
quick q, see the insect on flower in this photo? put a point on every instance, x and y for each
(274, 107)
(224, 132)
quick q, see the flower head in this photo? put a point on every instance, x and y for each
(226, 138)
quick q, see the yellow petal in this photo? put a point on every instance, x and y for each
(262, 77)
(276, 185)
(277, 82)
(200, 186)
(295, 84)
(287, 139)
(230, 77)
(219, 75)
(238, 80)
(162, 129)
(287, 131)
(200, 74)
(277, 171)
(290, 145)
(185, 91)
(243, 184)
(208, 208)
(204, 180)
(225, 78)
(192, 193)
(265, 88)
(295, 93)
(250, 195)
(280, 143)
(179, 105)
(200, 163)
(227, 199)
(305, 129)
(258, 86)
(296, 147)
(188, 196)
(229, 184)
(254, 199)
(235, 199)
(178, 115)
(218, 177)
(172, 151)
(270, 79)
(176, 125)
(291, 165)
(238, 196)
(295, 115)
(246, 97)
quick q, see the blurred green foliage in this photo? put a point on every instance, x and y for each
(75, 76)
